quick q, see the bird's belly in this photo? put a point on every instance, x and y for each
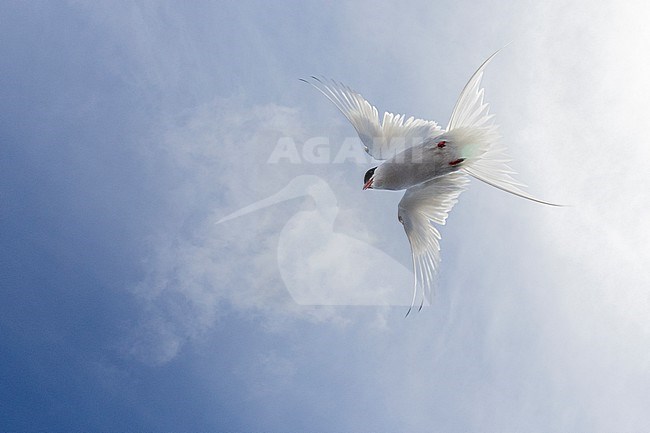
(434, 158)
(403, 176)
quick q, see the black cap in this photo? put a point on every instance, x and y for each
(368, 175)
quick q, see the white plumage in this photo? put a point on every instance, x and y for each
(431, 163)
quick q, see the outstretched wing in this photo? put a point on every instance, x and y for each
(421, 206)
(381, 140)
(471, 111)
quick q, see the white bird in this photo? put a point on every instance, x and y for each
(429, 162)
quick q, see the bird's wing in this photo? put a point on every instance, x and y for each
(381, 140)
(421, 206)
(471, 111)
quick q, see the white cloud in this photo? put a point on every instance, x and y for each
(265, 262)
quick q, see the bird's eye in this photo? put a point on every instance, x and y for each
(369, 174)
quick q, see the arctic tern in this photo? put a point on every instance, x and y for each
(432, 164)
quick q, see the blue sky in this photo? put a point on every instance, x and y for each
(128, 130)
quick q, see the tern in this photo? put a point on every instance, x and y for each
(431, 163)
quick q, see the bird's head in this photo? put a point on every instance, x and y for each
(369, 178)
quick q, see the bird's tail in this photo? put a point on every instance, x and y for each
(473, 129)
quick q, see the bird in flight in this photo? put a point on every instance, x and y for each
(432, 164)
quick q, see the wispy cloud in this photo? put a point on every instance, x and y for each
(156, 120)
(268, 262)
